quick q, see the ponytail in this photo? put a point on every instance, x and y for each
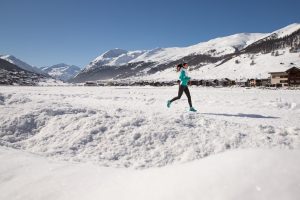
(178, 67)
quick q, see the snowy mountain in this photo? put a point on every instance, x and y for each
(281, 33)
(62, 71)
(215, 47)
(11, 74)
(21, 64)
(207, 59)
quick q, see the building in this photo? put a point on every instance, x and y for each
(224, 82)
(209, 82)
(265, 82)
(290, 77)
(90, 83)
(293, 76)
(242, 82)
(254, 82)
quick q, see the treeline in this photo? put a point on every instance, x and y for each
(272, 44)
(193, 60)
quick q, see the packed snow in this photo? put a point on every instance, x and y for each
(235, 175)
(132, 127)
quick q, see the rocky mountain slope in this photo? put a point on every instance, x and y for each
(11, 74)
(21, 64)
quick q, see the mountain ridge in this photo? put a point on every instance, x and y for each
(211, 54)
(16, 61)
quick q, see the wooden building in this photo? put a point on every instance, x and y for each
(293, 76)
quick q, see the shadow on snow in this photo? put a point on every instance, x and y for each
(242, 115)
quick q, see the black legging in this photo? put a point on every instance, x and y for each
(187, 93)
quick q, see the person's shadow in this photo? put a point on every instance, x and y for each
(242, 115)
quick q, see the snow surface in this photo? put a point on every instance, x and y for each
(235, 175)
(61, 143)
(52, 82)
(132, 127)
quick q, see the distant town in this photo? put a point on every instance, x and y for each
(288, 78)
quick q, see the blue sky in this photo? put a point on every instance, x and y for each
(47, 32)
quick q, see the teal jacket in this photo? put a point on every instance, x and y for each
(183, 78)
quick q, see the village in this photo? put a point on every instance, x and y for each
(285, 79)
(19, 78)
(288, 78)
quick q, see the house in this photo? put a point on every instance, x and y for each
(242, 82)
(290, 77)
(209, 82)
(254, 82)
(90, 83)
(225, 82)
(196, 82)
(265, 82)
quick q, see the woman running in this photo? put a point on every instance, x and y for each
(184, 79)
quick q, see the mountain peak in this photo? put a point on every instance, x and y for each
(62, 71)
(114, 53)
(59, 65)
(8, 57)
(12, 59)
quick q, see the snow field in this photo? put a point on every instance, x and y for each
(234, 175)
(132, 127)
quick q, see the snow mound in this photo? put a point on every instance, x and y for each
(131, 127)
(242, 174)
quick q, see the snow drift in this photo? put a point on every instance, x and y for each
(235, 175)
